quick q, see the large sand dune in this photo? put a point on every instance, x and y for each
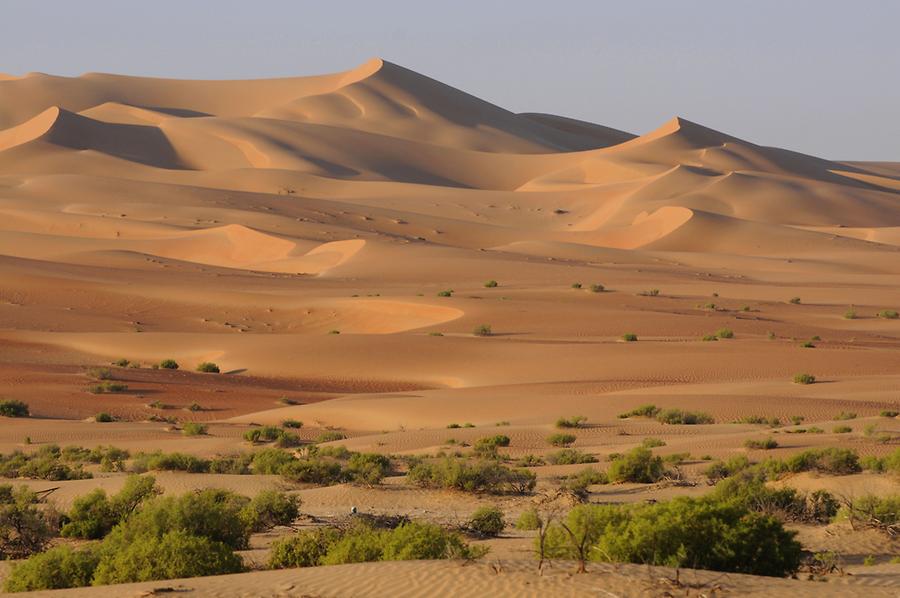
(327, 239)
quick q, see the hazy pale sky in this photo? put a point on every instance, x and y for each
(817, 76)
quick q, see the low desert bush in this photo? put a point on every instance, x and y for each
(10, 408)
(482, 330)
(194, 429)
(888, 314)
(804, 379)
(682, 417)
(561, 439)
(25, 527)
(528, 520)
(330, 436)
(760, 419)
(569, 456)
(765, 444)
(472, 476)
(629, 337)
(725, 333)
(642, 411)
(684, 532)
(486, 521)
(491, 284)
(208, 367)
(638, 465)
(107, 387)
(597, 288)
(168, 364)
(841, 429)
(269, 509)
(363, 543)
(576, 421)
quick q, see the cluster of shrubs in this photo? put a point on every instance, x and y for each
(52, 463)
(323, 466)
(829, 460)
(141, 537)
(669, 416)
(705, 533)
(488, 476)
(363, 542)
(281, 438)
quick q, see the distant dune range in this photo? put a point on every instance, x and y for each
(346, 202)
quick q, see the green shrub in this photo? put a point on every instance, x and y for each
(804, 379)
(844, 415)
(576, 285)
(642, 411)
(759, 419)
(292, 423)
(709, 337)
(683, 532)
(528, 520)
(649, 293)
(479, 476)
(482, 330)
(304, 549)
(850, 314)
(329, 436)
(576, 421)
(766, 444)
(491, 284)
(888, 314)
(313, 471)
(368, 468)
(174, 554)
(94, 515)
(887, 413)
(561, 439)
(833, 460)
(269, 509)
(578, 482)
(881, 513)
(58, 568)
(569, 456)
(270, 461)
(159, 461)
(122, 363)
(638, 465)
(25, 528)
(107, 387)
(194, 407)
(486, 521)
(99, 373)
(597, 288)
(194, 429)
(841, 429)
(808, 345)
(446, 293)
(724, 469)
(652, 442)
(679, 416)
(629, 337)
(168, 364)
(725, 333)
(231, 464)
(794, 300)
(208, 367)
(9, 408)
(104, 418)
